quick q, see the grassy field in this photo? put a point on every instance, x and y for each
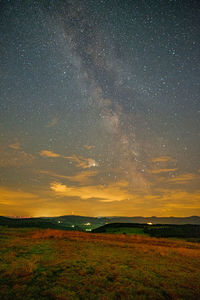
(188, 232)
(122, 230)
(53, 264)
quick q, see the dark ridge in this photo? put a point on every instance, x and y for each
(154, 230)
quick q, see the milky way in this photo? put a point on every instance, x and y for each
(99, 106)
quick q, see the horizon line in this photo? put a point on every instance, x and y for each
(58, 216)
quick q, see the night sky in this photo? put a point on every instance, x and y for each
(100, 108)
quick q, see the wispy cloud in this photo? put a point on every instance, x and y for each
(52, 123)
(21, 203)
(89, 147)
(110, 193)
(163, 159)
(10, 197)
(14, 156)
(15, 146)
(158, 171)
(79, 161)
(183, 178)
(84, 177)
(48, 153)
(169, 202)
(82, 162)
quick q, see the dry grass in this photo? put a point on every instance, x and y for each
(54, 264)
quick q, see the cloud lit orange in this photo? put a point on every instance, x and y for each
(109, 193)
(48, 153)
(163, 159)
(158, 171)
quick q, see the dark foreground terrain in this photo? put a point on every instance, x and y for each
(55, 264)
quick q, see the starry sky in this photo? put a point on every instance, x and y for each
(99, 107)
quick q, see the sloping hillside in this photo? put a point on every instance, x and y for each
(155, 230)
(54, 264)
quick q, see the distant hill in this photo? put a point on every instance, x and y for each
(31, 222)
(159, 230)
(156, 220)
(72, 222)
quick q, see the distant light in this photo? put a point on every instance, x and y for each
(58, 221)
(88, 229)
(73, 226)
(87, 224)
(149, 223)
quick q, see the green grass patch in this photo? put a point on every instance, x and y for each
(126, 230)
